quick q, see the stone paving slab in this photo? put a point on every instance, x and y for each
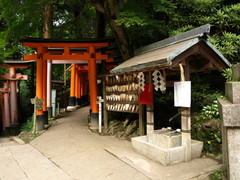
(198, 168)
(20, 162)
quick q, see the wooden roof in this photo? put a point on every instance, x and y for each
(167, 54)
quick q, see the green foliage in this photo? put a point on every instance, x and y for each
(217, 175)
(129, 19)
(211, 111)
(228, 44)
(181, 30)
(27, 126)
(205, 121)
(203, 93)
(148, 17)
(227, 73)
(206, 127)
(226, 36)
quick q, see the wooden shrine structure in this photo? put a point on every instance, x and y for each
(82, 54)
(180, 55)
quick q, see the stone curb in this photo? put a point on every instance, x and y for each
(18, 140)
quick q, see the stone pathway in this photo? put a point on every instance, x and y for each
(69, 150)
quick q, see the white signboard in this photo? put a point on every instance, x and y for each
(182, 94)
(54, 94)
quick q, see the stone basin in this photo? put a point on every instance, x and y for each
(165, 147)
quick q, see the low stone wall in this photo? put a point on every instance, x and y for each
(229, 108)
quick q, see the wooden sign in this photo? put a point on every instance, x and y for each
(38, 103)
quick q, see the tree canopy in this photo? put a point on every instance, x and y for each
(134, 23)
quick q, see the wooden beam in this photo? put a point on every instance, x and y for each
(183, 56)
(14, 66)
(208, 54)
(66, 56)
(30, 57)
(64, 45)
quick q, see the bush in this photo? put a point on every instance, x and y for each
(206, 127)
(206, 123)
(27, 126)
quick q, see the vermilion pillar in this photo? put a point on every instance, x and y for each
(93, 87)
(44, 87)
(72, 98)
(39, 77)
(76, 83)
(13, 97)
(81, 84)
(77, 92)
(80, 87)
(41, 117)
(45, 112)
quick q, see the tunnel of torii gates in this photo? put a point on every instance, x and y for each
(83, 55)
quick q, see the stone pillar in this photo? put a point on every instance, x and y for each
(229, 108)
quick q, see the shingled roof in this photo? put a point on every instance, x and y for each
(192, 46)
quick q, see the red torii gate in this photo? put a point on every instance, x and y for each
(74, 52)
(9, 92)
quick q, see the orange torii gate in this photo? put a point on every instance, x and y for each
(78, 86)
(77, 52)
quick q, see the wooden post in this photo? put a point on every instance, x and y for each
(186, 121)
(49, 88)
(105, 113)
(44, 85)
(93, 80)
(39, 77)
(150, 113)
(93, 86)
(13, 97)
(76, 81)
(3, 113)
(72, 98)
(72, 88)
(7, 115)
(79, 85)
(142, 120)
(65, 87)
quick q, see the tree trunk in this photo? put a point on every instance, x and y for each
(111, 11)
(47, 24)
(101, 22)
(78, 28)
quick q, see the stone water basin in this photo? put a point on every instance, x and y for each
(165, 147)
